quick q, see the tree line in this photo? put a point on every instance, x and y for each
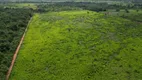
(12, 25)
(61, 6)
(68, 0)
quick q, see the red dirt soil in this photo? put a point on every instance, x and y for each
(15, 54)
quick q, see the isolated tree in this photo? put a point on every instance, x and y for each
(126, 10)
(117, 10)
(137, 10)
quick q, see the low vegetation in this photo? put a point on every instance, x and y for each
(80, 45)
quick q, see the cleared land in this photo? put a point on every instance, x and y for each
(80, 45)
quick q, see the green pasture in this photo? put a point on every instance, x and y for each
(80, 45)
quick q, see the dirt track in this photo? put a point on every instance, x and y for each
(16, 52)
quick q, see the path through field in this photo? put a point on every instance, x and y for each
(16, 52)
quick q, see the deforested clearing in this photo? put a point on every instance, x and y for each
(80, 45)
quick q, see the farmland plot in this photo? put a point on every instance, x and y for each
(80, 45)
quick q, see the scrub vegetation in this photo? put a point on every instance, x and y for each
(80, 45)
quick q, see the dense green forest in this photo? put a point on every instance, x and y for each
(98, 7)
(69, 0)
(12, 25)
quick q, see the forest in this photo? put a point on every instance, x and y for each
(98, 7)
(39, 1)
(12, 25)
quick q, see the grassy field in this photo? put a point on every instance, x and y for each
(80, 45)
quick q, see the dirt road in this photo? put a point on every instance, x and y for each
(16, 52)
